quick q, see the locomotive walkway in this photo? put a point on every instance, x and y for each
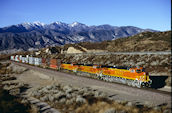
(114, 90)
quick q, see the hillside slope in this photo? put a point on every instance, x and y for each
(146, 41)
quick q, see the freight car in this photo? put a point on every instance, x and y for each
(135, 76)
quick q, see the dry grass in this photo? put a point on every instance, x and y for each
(33, 109)
(102, 105)
(4, 69)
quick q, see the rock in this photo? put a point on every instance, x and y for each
(6, 87)
(51, 98)
(36, 94)
(129, 104)
(40, 91)
(55, 91)
(59, 95)
(30, 98)
(140, 63)
(16, 68)
(166, 111)
(147, 103)
(102, 95)
(158, 108)
(49, 87)
(24, 101)
(69, 102)
(108, 62)
(34, 101)
(81, 92)
(80, 100)
(41, 104)
(67, 87)
(45, 90)
(62, 101)
(87, 94)
(139, 105)
(69, 91)
(52, 110)
(74, 94)
(44, 98)
(122, 111)
(11, 82)
(111, 110)
(119, 101)
(154, 63)
(45, 108)
(14, 91)
(69, 96)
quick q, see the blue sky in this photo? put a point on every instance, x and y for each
(153, 14)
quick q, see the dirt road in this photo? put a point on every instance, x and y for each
(39, 76)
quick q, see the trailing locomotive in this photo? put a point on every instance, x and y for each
(135, 76)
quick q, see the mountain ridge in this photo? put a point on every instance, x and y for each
(38, 35)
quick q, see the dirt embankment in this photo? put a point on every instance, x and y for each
(46, 92)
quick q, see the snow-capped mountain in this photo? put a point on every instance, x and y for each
(38, 35)
(24, 27)
(78, 25)
(75, 24)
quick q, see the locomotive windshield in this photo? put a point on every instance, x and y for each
(138, 70)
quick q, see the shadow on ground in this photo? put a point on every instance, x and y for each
(158, 81)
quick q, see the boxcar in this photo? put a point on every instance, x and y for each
(23, 59)
(31, 60)
(12, 58)
(37, 61)
(53, 64)
(17, 58)
(45, 63)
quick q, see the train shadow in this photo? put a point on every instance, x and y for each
(158, 81)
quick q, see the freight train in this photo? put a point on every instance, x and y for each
(132, 76)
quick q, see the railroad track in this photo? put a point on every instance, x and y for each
(114, 90)
(125, 53)
(73, 74)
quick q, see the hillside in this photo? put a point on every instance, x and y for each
(146, 41)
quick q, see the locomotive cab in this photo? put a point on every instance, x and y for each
(138, 70)
(144, 77)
